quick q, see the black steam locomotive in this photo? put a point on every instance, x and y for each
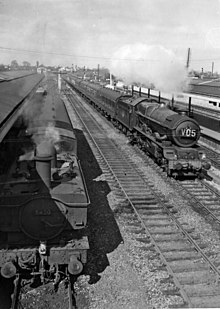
(170, 137)
(43, 197)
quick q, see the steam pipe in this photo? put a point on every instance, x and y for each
(190, 105)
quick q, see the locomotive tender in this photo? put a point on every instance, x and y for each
(170, 137)
(43, 198)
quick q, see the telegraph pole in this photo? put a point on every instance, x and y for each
(212, 68)
(98, 73)
(188, 58)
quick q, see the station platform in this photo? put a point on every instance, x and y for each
(212, 138)
(15, 90)
(213, 134)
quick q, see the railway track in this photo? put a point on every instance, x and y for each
(193, 272)
(203, 197)
(213, 156)
(200, 194)
(19, 299)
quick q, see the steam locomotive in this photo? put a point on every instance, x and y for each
(170, 137)
(43, 197)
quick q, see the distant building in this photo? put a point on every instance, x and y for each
(41, 70)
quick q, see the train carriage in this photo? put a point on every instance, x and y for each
(107, 101)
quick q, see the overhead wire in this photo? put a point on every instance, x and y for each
(94, 57)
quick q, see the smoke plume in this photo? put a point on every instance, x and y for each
(40, 126)
(148, 65)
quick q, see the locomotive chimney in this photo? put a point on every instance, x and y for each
(44, 158)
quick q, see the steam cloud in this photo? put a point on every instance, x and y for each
(148, 65)
(38, 120)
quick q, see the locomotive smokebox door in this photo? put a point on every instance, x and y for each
(42, 218)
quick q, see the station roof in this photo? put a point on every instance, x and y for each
(13, 93)
(10, 75)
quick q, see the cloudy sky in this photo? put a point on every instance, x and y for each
(91, 32)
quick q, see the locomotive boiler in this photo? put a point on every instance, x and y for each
(43, 197)
(167, 124)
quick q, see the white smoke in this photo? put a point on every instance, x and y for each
(52, 134)
(147, 65)
(46, 135)
(39, 124)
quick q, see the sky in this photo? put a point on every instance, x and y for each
(114, 34)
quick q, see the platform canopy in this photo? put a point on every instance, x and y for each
(16, 88)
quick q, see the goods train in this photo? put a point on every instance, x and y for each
(170, 137)
(43, 197)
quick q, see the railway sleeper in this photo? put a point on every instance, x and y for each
(167, 237)
(209, 301)
(180, 255)
(174, 246)
(142, 209)
(171, 291)
(202, 289)
(150, 212)
(141, 196)
(203, 276)
(182, 266)
(154, 216)
(164, 230)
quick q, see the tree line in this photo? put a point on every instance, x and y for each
(16, 66)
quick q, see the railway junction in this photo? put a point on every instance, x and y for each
(154, 241)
